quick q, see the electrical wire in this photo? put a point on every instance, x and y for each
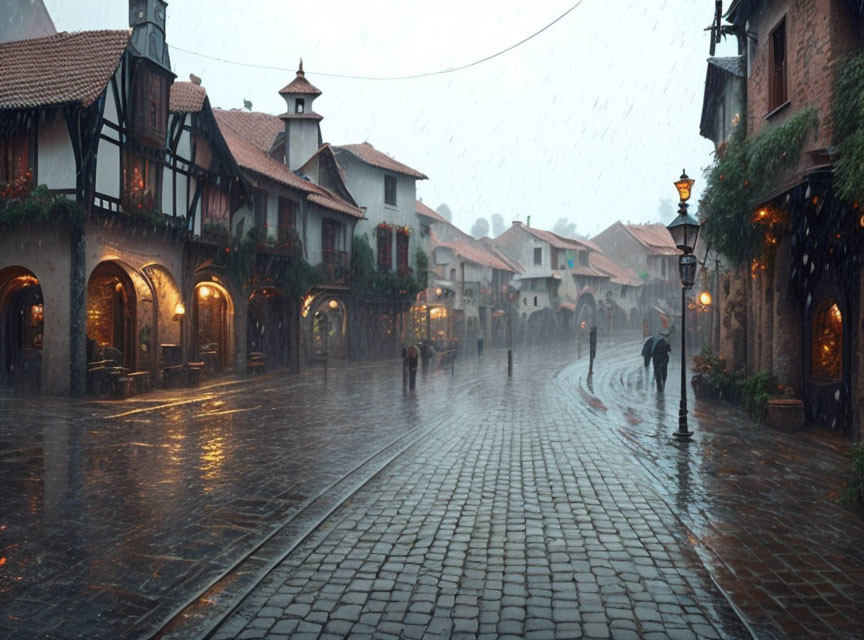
(408, 77)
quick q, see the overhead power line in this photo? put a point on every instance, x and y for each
(408, 77)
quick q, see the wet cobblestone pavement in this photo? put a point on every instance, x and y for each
(543, 507)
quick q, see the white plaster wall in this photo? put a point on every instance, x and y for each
(168, 192)
(56, 160)
(184, 145)
(302, 142)
(366, 184)
(108, 169)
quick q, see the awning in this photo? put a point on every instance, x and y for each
(567, 305)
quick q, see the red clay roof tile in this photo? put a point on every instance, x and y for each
(654, 236)
(256, 128)
(186, 97)
(365, 152)
(60, 69)
(300, 85)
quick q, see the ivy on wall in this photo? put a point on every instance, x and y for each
(848, 118)
(742, 173)
(366, 279)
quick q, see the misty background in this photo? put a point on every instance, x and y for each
(587, 123)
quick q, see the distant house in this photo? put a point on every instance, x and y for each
(465, 296)
(559, 288)
(648, 250)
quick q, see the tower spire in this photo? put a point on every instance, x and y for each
(300, 71)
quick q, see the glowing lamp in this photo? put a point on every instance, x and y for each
(204, 292)
(438, 291)
(705, 299)
(179, 310)
(333, 304)
(684, 186)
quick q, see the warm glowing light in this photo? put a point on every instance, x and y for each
(584, 325)
(762, 214)
(705, 299)
(204, 292)
(37, 314)
(437, 313)
(835, 313)
(307, 304)
(333, 304)
(861, 220)
(179, 310)
(684, 186)
(438, 290)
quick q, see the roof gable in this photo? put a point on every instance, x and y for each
(60, 69)
(368, 154)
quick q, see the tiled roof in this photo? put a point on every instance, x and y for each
(301, 85)
(365, 152)
(655, 237)
(260, 162)
(474, 252)
(560, 242)
(422, 210)
(186, 97)
(617, 273)
(495, 248)
(256, 128)
(732, 64)
(60, 69)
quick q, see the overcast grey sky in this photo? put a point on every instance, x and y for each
(592, 120)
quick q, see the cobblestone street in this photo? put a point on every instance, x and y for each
(551, 505)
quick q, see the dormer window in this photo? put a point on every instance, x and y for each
(299, 105)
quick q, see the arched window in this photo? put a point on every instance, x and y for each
(827, 342)
(299, 105)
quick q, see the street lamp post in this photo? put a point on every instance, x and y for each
(684, 231)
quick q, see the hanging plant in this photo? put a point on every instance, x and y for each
(743, 172)
(39, 205)
(405, 230)
(383, 226)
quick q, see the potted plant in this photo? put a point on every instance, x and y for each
(785, 411)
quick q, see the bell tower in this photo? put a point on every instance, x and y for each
(147, 19)
(302, 124)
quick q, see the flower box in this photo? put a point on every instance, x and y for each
(786, 414)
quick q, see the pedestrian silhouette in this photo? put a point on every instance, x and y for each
(647, 350)
(660, 356)
(592, 348)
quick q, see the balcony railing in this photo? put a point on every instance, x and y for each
(335, 266)
(287, 243)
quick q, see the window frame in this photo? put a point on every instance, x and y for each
(384, 246)
(778, 88)
(11, 148)
(390, 189)
(286, 220)
(152, 174)
(150, 111)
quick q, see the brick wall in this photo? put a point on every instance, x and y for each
(818, 32)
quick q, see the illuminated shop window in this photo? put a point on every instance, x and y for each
(827, 349)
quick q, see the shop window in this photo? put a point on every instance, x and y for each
(390, 190)
(150, 97)
(827, 342)
(140, 183)
(14, 160)
(385, 249)
(777, 68)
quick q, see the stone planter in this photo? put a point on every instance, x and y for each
(702, 389)
(786, 414)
